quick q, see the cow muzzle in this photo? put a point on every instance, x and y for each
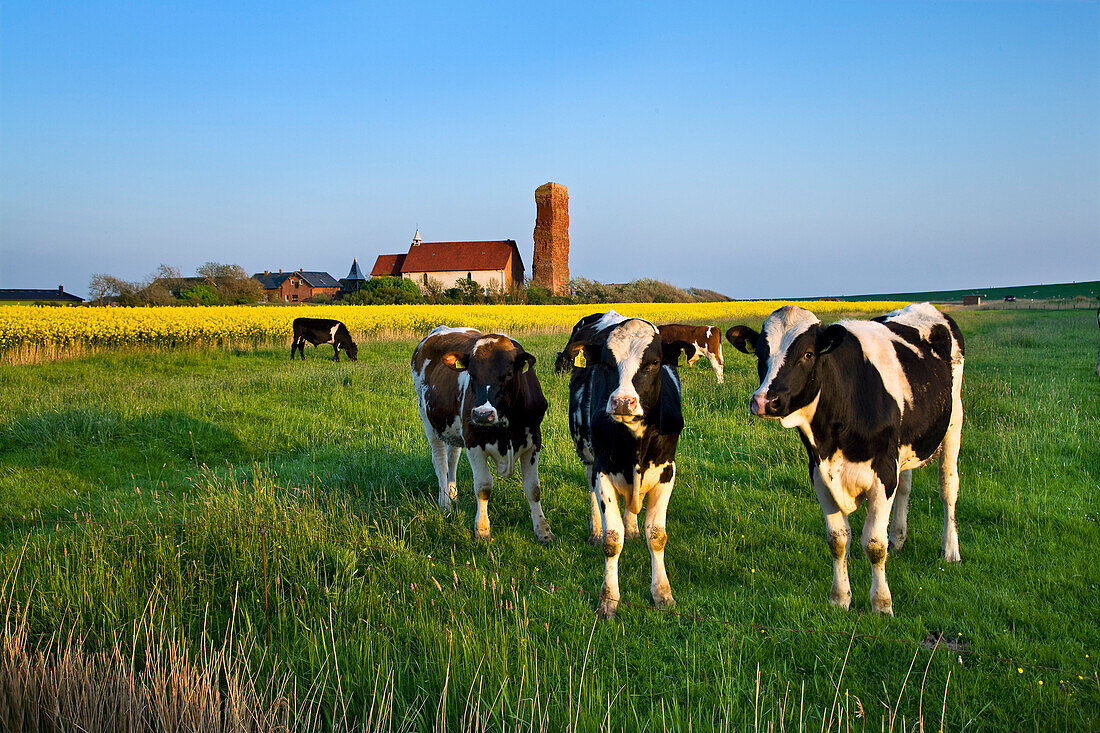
(623, 406)
(484, 415)
(761, 406)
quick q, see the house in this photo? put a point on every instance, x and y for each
(12, 296)
(297, 286)
(354, 281)
(972, 299)
(488, 263)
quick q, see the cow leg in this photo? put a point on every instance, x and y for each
(440, 451)
(630, 523)
(899, 528)
(612, 525)
(875, 547)
(453, 454)
(838, 534)
(716, 364)
(483, 485)
(296, 344)
(655, 536)
(595, 526)
(335, 351)
(529, 470)
(949, 480)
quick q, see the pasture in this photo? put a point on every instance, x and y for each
(230, 522)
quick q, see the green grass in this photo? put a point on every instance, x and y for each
(138, 481)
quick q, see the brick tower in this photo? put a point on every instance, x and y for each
(550, 266)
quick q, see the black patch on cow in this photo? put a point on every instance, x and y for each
(667, 474)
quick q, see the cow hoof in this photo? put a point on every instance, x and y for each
(546, 539)
(606, 609)
(596, 540)
(952, 555)
(481, 534)
(886, 609)
(841, 602)
(632, 533)
(664, 601)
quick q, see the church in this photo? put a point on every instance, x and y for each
(491, 264)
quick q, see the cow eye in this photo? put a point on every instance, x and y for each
(809, 355)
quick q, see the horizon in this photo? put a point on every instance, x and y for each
(848, 148)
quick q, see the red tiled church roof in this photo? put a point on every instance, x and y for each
(387, 265)
(458, 256)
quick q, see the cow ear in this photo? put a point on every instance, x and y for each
(524, 362)
(829, 338)
(670, 352)
(534, 402)
(456, 360)
(743, 338)
(670, 416)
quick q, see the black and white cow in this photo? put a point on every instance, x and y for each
(322, 331)
(625, 418)
(480, 392)
(872, 400)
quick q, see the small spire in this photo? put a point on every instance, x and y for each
(416, 237)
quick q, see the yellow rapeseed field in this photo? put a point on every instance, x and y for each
(58, 331)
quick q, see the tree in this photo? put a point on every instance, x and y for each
(201, 294)
(232, 283)
(386, 291)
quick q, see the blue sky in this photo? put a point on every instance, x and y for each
(759, 149)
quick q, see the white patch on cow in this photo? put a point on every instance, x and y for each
(801, 419)
(610, 318)
(846, 480)
(921, 316)
(332, 334)
(503, 461)
(490, 339)
(627, 344)
(779, 332)
(877, 343)
(441, 330)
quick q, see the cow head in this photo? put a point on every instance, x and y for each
(351, 350)
(631, 356)
(499, 376)
(787, 350)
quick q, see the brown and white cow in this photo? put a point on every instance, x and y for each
(480, 392)
(625, 418)
(872, 400)
(707, 341)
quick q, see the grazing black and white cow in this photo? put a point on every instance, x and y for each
(707, 341)
(872, 400)
(480, 392)
(625, 418)
(322, 331)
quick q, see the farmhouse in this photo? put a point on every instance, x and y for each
(297, 286)
(35, 295)
(488, 263)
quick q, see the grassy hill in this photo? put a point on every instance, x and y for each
(1054, 291)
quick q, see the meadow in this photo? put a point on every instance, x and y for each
(226, 538)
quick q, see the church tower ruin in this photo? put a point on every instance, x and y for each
(550, 266)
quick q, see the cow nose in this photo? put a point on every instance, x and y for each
(624, 404)
(485, 414)
(760, 405)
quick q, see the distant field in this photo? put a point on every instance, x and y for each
(1057, 291)
(151, 499)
